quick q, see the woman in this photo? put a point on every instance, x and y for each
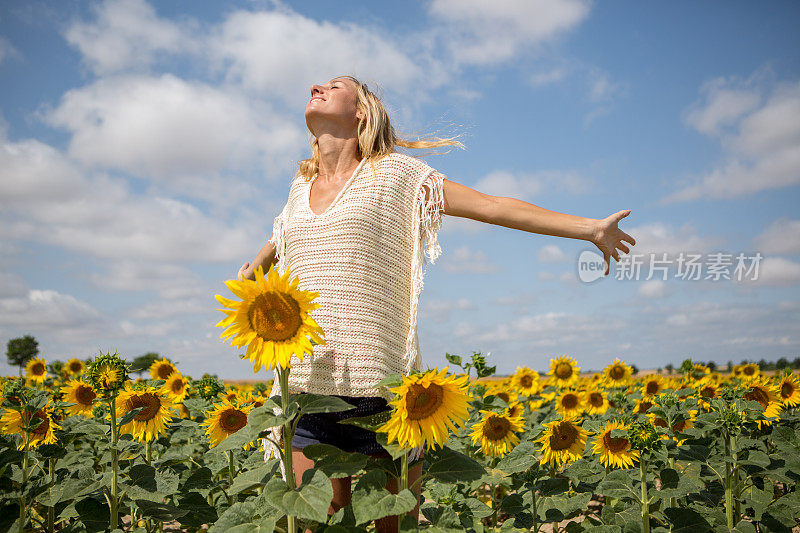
(358, 223)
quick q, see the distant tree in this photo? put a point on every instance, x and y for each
(796, 362)
(763, 365)
(142, 363)
(781, 363)
(730, 366)
(635, 369)
(712, 366)
(659, 370)
(743, 362)
(21, 350)
(669, 368)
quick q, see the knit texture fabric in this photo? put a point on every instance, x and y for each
(365, 255)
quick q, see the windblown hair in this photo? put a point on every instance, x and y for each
(376, 136)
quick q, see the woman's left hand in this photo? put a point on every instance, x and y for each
(608, 237)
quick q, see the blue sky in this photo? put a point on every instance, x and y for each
(147, 147)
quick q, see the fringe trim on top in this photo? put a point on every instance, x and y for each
(270, 449)
(278, 239)
(427, 221)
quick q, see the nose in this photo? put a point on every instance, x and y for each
(316, 89)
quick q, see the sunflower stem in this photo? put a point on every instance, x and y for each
(535, 512)
(23, 515)
(112, 406)
(645, 502)
(728, 482)
(553, 476)
(51, 510)
(673, 502)
(148, 452)
(403, 482)
(283, 376)
(231, 475)
(737, 486)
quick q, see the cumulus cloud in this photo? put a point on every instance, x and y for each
(480, 33)
(465, 260)
(7, 50)
(760, 137)
(180, 133)
(773, 272)
(781, 237)
(101, 216)
(527, 185)
(283, 53)
(36, 309)
(652, 289)
(551, 254)
(128, 34)
(441, 310)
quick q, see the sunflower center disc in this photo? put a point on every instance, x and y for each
(749, 371)
(596, 399)
(644, 406)
(164, 371)
(526, 381)
(564, 436)
(151, 405)
(564, 370)
(569, 401)
(275, 316)
(617, 372)
(757, 394)
(85, 395)
(707, 392)
(496, 428)
(42, 428)
(75, 368)
(37, 369)
(786, 390)
(652, 387)
(232, 420)
(615, 445)
(177, 386)
(422, 402)
(504, 396)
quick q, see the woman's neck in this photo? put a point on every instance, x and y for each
(337, 156)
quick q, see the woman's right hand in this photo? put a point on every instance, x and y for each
(243, 271)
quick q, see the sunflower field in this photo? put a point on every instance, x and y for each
(83, 447)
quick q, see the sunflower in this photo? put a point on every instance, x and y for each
(643, 405)
(564, 371)
(615, 452)
(652, 385)
(508, 396)
(595, 401)
(789, 388)
(11, 423)
(425, 406)
(617, 373)
(176, 387)
(82, 395)
(706, 389)
(209, 388)
(749, 371)
(272, 319)
(525, 381)
(162, 369)
(767, 395)
(151, 421)
(677, 427)
(74, 367)
(496, 433)
(515, 409)
(231, 394)
(107, 373)
(224, 420)
(563, 441)
(36, 370)
(570, 403)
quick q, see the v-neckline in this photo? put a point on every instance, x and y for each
(338, 195)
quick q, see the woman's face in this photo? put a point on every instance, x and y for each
(333, 106)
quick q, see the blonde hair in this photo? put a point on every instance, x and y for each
(376, 136)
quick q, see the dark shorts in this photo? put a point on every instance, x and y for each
(324, 427)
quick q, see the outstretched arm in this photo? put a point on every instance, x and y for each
(461, 201)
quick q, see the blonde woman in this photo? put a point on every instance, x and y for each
(357, 226)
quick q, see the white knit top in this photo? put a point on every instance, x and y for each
(365, 256)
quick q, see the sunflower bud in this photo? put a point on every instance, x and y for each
(107, 373)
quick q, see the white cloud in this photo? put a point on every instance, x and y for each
(464, 260)
(101, 216)
(659, 238)
(774, 272)
(441, 310)
(182, 134)
(652, 289)
(526, 185)
(551, 254)
(761, 142)
(283, 53)
(128, 34)
(547, 77)
(7, 50)
(479, 32)
(781, 237)
(37, 309)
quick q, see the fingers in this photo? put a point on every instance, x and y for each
(628, 238)
(606, 262)
(624, 248)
